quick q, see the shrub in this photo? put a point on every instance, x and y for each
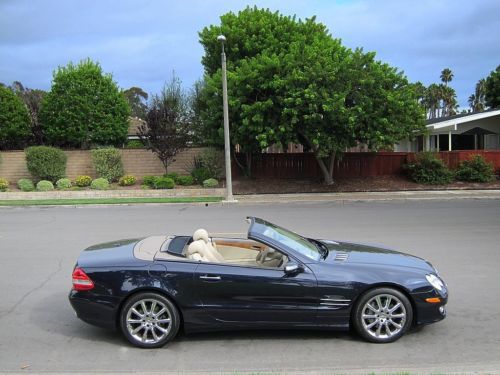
(213, 160)
(14, 120)
(63, 183)
(164, 183)
(477, 169)
(46, 163)
(108, 163)
(83, 181)
(4, 184)
(210, 183)
(149, 181)
(44, 185)
(185, 180)
(200, 174)
(84, 107)
(173, 175)
(127, 180)
(134, 143)
(25, 184)
(100, 184)
(429, 169)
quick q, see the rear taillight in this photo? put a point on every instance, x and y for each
(81, 281)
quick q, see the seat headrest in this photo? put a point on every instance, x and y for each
(200, 234)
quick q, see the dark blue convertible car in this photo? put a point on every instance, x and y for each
(274, 279)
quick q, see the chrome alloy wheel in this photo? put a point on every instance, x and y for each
(383, 316)
(148, 321)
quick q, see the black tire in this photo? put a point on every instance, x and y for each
(150, 325)
(367, 320)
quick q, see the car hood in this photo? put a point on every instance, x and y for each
(348, 252)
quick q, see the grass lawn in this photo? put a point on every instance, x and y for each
(50, 202)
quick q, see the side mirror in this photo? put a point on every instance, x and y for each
(293, 269)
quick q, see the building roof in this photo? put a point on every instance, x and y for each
(443, 122)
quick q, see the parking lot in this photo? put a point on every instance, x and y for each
(40, 333)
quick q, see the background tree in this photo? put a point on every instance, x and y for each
(168, 126)
(32, 98)
(446, 76)
(477, 101)
(14, 121)
(137, 99)
(84, 107)
(289, 80)
(492, 89)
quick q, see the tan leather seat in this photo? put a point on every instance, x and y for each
(198, 250)
(202, 235)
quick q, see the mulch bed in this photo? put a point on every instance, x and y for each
(360, 184)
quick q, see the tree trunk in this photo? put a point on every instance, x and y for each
(326, 170)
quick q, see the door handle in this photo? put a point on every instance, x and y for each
(210, 278)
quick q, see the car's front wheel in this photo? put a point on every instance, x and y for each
(382, 315)
(149, 320)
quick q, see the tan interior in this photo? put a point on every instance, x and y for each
(216, 250)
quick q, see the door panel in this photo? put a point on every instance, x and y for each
(232, 293)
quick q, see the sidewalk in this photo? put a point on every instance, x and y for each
(370, 196)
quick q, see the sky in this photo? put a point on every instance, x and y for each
(142, 42)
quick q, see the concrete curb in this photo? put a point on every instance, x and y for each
(370, 196)
(136, 193)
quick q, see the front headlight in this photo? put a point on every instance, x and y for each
(435, 281)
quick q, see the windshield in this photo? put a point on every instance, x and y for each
(287, 238)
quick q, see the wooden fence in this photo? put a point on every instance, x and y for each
(352, 164)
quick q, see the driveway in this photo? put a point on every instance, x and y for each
(40, 333)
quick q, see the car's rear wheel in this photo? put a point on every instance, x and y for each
(382, 315)
(149, 320)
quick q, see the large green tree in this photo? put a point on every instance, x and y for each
(14, 121)
(84, 107)
(32, 99)
(290, 80)
(492, 89)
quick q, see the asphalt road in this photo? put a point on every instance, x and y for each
(39, 246)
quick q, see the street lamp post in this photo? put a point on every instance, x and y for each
(227, 144)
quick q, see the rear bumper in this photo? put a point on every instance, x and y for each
(427, 313)
(94, 310)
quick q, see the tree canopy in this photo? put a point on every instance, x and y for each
(137, 100)
(84, 107)
(14, 120)
(492, 89)
(290, 80)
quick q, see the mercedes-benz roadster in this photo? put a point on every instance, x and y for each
(274, 279)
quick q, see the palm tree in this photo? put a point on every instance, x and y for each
(477, 101)
(446, 76)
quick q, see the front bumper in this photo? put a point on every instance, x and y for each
(426, 312)
(94, 309)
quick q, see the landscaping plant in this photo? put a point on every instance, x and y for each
(100, 184)
(210, 183)
(25, 184)
(127, 180)
(63, 183)
(477, 169)
(149, 181)
(213, 160)
(44, 185)
(108, 163)
(185, 180)
(46, 163)
(200, 174)
(164, 183)
(83, 181)
(4, 184)
(429, 169)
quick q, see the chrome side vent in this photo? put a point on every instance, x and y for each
(341, 256)
(334, 303)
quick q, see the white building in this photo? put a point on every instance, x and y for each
(471, 131)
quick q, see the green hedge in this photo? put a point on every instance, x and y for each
(46, 163)
(25, 184)
(429, 169)
(164, 183)
(108, 163)
(44, 185)
(477, 169)
(100, 184)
